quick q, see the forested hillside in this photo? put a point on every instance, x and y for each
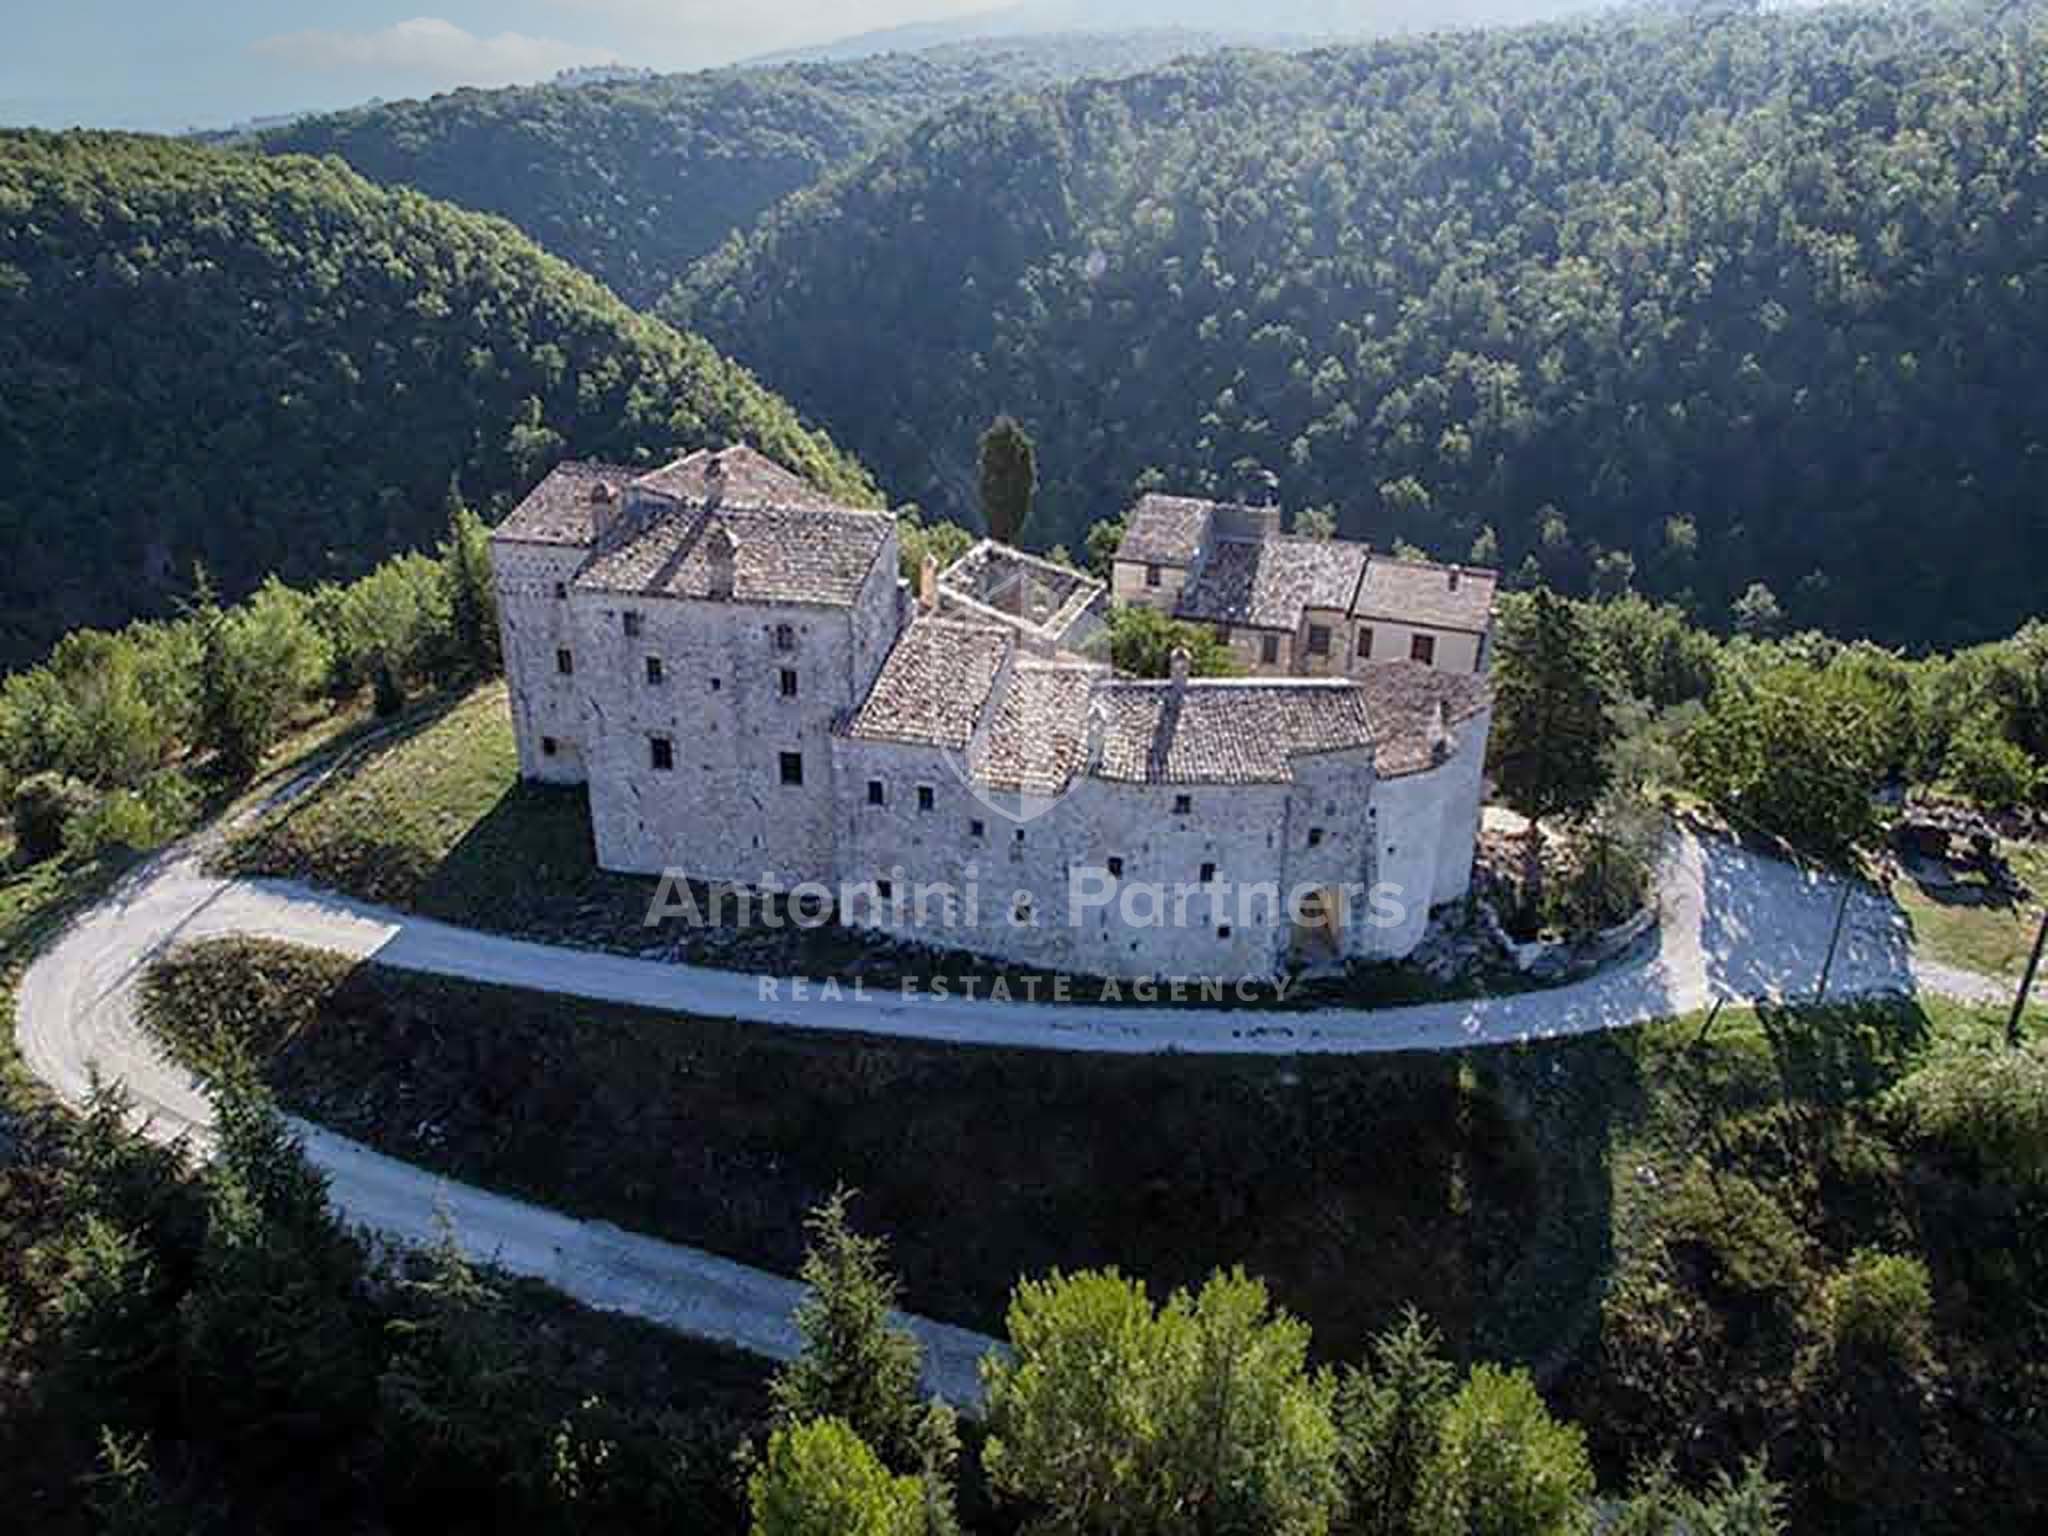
(1680, 303)
(633, 180)
(270, 365)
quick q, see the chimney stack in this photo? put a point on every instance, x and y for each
(721, 552)
(1181, 662)
(714, 481)
(1441, 742)
(928, 584)
(1456, 572)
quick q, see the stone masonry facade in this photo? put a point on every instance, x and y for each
(732, 665)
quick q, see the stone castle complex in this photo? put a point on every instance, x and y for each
(732, 663)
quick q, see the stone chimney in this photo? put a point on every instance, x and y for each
(1441, 742)
(1098, 722)
(1180, 664)
(928, 584)
(721, 551)
(714, 481)
(1456, 572)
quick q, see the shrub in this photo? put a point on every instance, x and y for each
(1881, 1307)
(1983, 766)
(1389, 1413)
(45, 805)
(1200, 1416)
(1503, 1466)
(820, 1479)
(1986, 1102)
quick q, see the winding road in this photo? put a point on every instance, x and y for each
(1734, 925)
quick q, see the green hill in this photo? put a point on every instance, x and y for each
(1684, 302)
(635, 179)
(273, 365)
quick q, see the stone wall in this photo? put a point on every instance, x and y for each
(1456, 651)
(534, 625)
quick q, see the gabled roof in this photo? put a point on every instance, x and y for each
(816, 556)
(1401, 703)
(1224, 731)
(1434, 596)
(934, 685)
(1268, 583)
(1166, 530)
(1039, 739)
(738, 476)
(560, 510)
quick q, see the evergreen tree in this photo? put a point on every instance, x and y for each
(1009, 479)
(856, 1364)
(1388, 1412)
(469, 595)
(1551, 725)
(1503, 1466)
(820, 1479)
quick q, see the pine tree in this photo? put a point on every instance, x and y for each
(856, 1364)
(1551, 725)
(469, 595)
(1388, 1413)
(1009, 479)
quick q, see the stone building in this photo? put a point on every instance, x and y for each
(732, 664)
(1295, 606)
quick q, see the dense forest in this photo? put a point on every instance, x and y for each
(1679, 302)
(271, 365)
(633, 180)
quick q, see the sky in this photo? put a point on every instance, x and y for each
(168, 65)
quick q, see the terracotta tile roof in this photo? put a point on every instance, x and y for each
(782, 554)
(1224, 732)
(1401, 699)
(1435, 596)
(741, 476)
(1267, 583)
(559, 509)
(1165, 530)
(932, 689)
(1039, 739)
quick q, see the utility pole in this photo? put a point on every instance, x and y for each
(1834, 939)
(2019, 1003)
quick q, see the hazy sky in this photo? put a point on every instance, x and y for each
(170, 64)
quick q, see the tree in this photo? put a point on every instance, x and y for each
(1751, 1505)
(469, 595)
(856, 1364)
(1105, 537)
(1985, 767)
(1757, 613)
(1142, 642)
(1009, 479)
(1389, 1412)
(1552, 725)
(45, 804)
(1316, 522)
(259, 662)
(1503, 1466)
(820, 1479)
(1199, 1417)
(915, 539)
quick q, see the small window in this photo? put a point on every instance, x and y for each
(1223, 932)
(654, 671)
(1423, 648)
(1020, 834)
(885, 892)
(785, 637)
(878, 793)
(1208, 874)
(789, 682)
(661, 753)
(1319, 639)
(1315, 837)
(717, 684)
(561, 590)
(1365, 643)
(1116, 867)
(565, 663)
(977, 829)
(1183, 805)
(792, 768)
(926, 797)
(549, 746)
(1151, 575)
(1269, 650)
(633, 625)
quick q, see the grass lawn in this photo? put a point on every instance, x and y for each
(1980, 937)
(1353, 1186)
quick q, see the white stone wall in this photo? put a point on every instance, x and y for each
(1427, 825)
(1252, 834)
(533, 625)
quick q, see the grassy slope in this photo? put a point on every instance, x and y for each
(1352, 1185)
(1992, 939)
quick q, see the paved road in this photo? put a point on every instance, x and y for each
(1733, 924)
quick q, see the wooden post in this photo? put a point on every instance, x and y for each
(2019, 1003)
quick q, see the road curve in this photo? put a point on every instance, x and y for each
(1733, 925)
